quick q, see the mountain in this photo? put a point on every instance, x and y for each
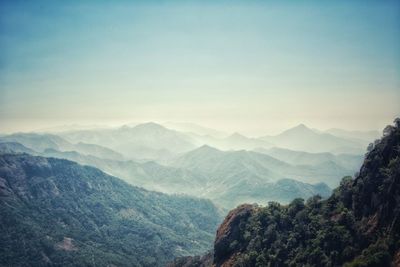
(234, 141)
(98, 151)
(305, 139)
(12, 147)
(69, 127)
(144, 141)
(194, 128)
(58, 213)
(149, 175)
(225, 186)
(347, 161)
(228, 164)
(358, 225)
(217, 164)
(38, 142)
(42, 142)
(236, 176)
(237, 141)
(367, 136)
(228, 178)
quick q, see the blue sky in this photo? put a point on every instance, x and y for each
(253, 66)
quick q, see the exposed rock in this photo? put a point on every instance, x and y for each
(66, 244)
(228, 234)
(396, 259)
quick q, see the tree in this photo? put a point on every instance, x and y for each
(388, 130)
(397, 122)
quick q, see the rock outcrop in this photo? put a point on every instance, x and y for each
(228, 238)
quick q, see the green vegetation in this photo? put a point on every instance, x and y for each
(56, 212)
(357, 226)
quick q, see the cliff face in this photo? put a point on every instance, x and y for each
(358, 225)
(228, 241)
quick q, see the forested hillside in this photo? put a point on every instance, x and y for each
(57, 212)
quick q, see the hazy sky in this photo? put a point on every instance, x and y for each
(254, 66)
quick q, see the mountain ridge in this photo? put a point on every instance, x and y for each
(234, 176)
(62, 213)
(305, 139)
(41, 142)
(143, 141)
(170, 179)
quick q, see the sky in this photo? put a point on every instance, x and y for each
(255, 67)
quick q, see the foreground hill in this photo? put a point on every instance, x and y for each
(359, 225)
(56, 212)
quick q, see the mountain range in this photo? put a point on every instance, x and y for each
(228, 177)
(305, 139)
(41, 142)
(152, 141)
(346, 161)
(363, 135)
(194, 129)
(144, 141)
(234, 177)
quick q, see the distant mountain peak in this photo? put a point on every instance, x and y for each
(150, 126)
(301, 128)
(207, 148)
(194, 128)
(237, 135)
